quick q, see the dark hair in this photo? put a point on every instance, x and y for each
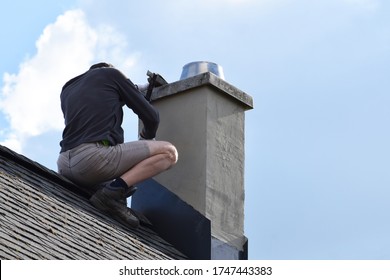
(100, 65)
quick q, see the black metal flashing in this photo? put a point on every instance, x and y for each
(174, 220)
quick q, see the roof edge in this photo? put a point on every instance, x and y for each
(41, 170)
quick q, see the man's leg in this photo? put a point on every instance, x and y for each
(163, 155)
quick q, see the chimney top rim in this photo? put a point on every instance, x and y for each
(203, 79)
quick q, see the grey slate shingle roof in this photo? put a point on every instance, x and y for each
(44, 216)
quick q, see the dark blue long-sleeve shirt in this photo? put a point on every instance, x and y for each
(92, 106)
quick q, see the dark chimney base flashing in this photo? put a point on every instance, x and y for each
(174, 220)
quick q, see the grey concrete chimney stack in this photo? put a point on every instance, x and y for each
(204, 117)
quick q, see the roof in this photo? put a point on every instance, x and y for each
(45, 216)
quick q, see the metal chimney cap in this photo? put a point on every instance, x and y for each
(197, 67)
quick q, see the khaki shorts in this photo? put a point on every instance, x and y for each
(93, 163)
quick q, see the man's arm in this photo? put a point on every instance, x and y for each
(136, 101)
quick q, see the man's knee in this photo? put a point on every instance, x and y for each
(171, 152)
(164, 147)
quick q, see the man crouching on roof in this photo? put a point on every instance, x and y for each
(93, 153)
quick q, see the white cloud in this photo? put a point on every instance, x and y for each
(30, 98)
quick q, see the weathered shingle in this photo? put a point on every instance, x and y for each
(44, 216)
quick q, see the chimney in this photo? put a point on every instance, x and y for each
(204, 117)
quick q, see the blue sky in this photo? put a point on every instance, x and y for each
(317, 143)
